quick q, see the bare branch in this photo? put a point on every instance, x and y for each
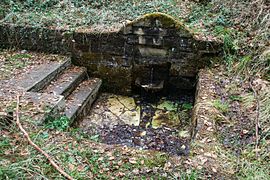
(51, 161)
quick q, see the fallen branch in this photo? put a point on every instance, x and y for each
(51, 161)
(257, 117)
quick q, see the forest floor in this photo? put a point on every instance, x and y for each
(224, 147)
(233, 141)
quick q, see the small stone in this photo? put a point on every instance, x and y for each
(111, 158)
(23, 51)
(136, 171)
(245, 131)
(183, 147)
(143, 133)
(132, 160)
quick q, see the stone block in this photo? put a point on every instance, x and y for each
(208, 46)
(179, 42)
(151, 51)
(116, 80)
(127, 30)
(145, 40)
(150, 31)
(187, 70)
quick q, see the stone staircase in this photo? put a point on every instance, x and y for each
(65, 81)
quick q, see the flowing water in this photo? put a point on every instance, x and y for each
(151, 76)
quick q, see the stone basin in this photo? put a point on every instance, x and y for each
(162, 124)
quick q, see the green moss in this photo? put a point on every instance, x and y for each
(169, 119)
(166, 20)
(116, 79)
(96, 57)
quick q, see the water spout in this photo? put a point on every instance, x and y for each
(150, 84)
(151, 75)
(153, 86)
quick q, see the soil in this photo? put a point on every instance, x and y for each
(237, 129)
(161, 139)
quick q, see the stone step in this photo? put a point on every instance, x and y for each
(41, 77)
(79, 102)
(37, 105)
(67, 81)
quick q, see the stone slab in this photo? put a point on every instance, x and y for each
(110, 110)
(79, 102)
(67, 81)
(35, 105)
(38, 78)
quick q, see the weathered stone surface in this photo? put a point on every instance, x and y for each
(67, 81)
(159, 39)
(110, 110)
(39, 78)
(150, 52)
(158, 20)
(38, 39)
(89, 59)
(116, 80)
(80, 101)
(186, 70)
(41, 104)
(151, 39)
(99, 43)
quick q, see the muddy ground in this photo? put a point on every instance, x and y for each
(145, 122)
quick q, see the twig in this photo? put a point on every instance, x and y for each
(257, 117)
(51, 161)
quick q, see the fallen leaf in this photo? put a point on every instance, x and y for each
(132, 160)
(111, 158)
(80, 168)
(136, 171)
(71, 167)
(120, 174)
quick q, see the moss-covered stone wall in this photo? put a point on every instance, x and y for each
(37, 39)
(120, 57)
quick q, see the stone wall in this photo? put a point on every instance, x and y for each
(35, 39)
(154, 41)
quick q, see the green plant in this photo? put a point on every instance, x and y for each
(94, 138)
(243, 64)
(187, 106)
(254, 171)
(156, 161)
(19, 56)
(4, 144)
(17, 61)
(61, 123)
(236, 98)
(264, 113)
(81, 14)
(193, 175)
(223, 107)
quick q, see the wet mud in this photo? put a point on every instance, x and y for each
(156, 123)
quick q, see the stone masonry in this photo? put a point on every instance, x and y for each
(154, 41)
